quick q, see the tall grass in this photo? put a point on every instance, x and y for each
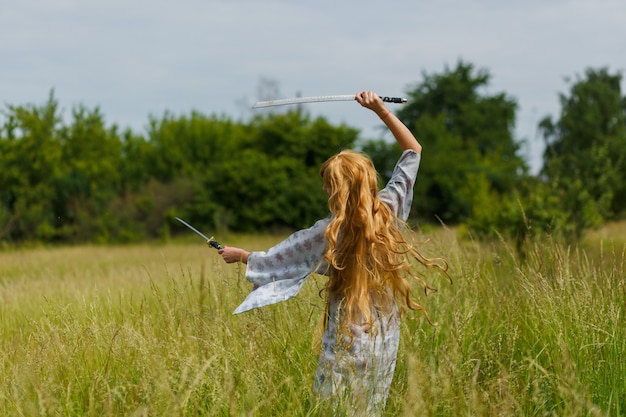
(149, 331)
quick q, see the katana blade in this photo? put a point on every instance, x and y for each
(317, 99)
(209, 240)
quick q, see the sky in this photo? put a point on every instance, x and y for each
(134, 59)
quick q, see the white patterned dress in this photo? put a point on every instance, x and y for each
(361, 371)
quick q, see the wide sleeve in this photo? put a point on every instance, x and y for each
(398, 193)
(279, 273)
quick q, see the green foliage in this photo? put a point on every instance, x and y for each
(31, 159)
(273, 179)
(465, 132)
(582, 182)
(586, 145)
(83, 181)
(190, 146)
(530, 212)
(89, 176)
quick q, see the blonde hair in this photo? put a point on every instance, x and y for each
(366, 253)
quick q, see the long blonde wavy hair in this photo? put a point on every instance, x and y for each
(367, 253)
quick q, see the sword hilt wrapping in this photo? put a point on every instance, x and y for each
(214, 244)
(398, 100)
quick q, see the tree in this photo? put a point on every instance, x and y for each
(585, 155)
(273, 178)
(468, 142)
(30, 161)
(89, 174)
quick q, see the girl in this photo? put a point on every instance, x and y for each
(363, 252)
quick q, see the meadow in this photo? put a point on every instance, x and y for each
(148, 330)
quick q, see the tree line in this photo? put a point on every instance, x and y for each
(84, 181)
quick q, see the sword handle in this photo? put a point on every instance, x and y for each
(214, 244)
(398, 100)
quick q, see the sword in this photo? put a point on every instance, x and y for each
(317, 99)
(209, 240)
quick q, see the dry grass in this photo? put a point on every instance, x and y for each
(148, 331)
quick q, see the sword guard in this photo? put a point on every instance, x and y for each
(214, 243)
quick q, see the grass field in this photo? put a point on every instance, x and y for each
(148, 330)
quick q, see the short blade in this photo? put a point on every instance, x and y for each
(192, 228)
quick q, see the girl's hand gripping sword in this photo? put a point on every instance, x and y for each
(209, 240)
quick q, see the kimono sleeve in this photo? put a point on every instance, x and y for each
(279, 273)
(398, 193)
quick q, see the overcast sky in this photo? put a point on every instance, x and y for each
(135, 58)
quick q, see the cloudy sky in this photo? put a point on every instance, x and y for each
(135, 58)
